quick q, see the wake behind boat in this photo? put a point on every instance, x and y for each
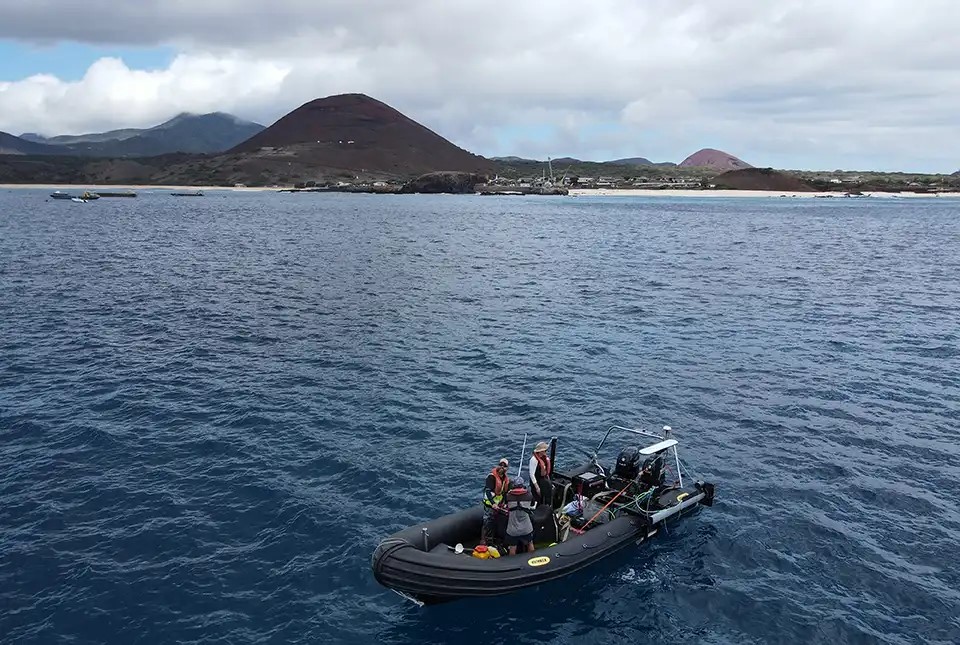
(592, 514)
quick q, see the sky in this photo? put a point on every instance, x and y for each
(793, 84)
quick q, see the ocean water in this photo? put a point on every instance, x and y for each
(212, 409)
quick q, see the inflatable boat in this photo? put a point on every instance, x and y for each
(593, 513)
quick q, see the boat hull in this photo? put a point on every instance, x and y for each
(428, 571)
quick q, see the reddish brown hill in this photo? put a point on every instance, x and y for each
(760, 179)
(358, 133)
(716, 159)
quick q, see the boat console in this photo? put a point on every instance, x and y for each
(589, 484)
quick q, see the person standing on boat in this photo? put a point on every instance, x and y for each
(540, 471)
(494, 489)
(520, 521)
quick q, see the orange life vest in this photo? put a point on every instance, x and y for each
(499, 487)
(544, 462)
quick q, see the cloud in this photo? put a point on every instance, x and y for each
(793, 83)
(112, 95)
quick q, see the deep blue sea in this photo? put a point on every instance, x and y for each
(211, 410)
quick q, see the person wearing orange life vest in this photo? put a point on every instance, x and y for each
(494, 490)
(540, 470)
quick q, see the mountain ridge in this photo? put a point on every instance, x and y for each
(633, 161)
(209, 133)
(13, 145)
(333, 140)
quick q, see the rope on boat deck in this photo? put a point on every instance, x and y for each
(583, 528)
(636, 500)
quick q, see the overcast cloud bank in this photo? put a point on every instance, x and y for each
(790, 84)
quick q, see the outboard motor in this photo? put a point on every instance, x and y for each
(628, 464)
(654, 471)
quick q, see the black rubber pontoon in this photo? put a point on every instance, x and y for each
(421, 563)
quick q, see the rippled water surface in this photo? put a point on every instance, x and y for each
(212, 409)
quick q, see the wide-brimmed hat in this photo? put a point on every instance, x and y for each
(541, 447)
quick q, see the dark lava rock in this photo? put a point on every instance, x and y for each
(444, 182)
(761, 179)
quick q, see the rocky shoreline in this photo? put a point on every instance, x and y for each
(576, 192)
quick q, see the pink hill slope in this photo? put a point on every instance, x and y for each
(716, 159)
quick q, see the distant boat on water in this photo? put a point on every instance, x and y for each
(198, 193)
(127, 193)
(85, 196)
